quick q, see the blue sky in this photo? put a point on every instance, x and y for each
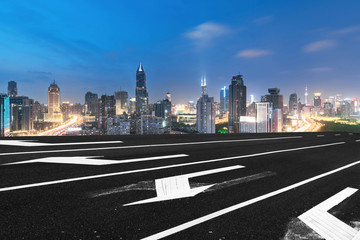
(97, 45)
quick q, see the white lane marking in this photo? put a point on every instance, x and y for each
(224, 211)
(162, 167)
(91, 160)
(32, 143)
(150, 145)
(338, 134)
(351, 134)
(358, 140)
(176, 187)
(320, 135)
(325, 224)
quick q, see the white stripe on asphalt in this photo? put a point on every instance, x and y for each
(150, 145)
(159, 168)
(338, 134)
(33, 143)
(320, 135)
(92, 160)
(224, 211)
(358, 140)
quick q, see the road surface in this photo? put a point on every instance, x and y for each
(249, 186)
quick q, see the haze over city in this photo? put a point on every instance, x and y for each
(89, 46)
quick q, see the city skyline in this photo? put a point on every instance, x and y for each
(282, 44)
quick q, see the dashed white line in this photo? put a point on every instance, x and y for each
(358, 140)
(162, 167)
(224, 211)
(320, 135)
(150, 145)
(338, 134)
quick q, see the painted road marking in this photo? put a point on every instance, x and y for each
(338, 134)
(91, 160)
(358, 140)
(320, 135)
(224, 211)
(150, 145)
(179, 187)
(160, 168)
(325, 224)
(32, 143)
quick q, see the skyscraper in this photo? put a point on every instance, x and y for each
(276, 101)
(292, 103)
(54, 111)
(205, 111)
(263, 113)
(21, 119)
(12, 89)
(121, 102)
(141, 92)
(224, 100)
(4, 116)
(237, 103)
(317, 100)
(91, 100)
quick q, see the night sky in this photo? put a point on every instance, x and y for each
(97, 46)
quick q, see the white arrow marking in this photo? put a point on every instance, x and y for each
(93, 161)
(325, 224)
(179, 187)
(235, 207)
(32, 143)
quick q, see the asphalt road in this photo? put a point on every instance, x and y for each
(271, 179)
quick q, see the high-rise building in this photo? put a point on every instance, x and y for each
(12, 89)
(118, 125)
(224, 100)
(317, 100)
(247, 124)
(65, 110)
(276, 100)
(91, 100)
(106, 110)
(121, 102)
(292, 103)
(54, 111)
(274, 97)
(263, 114)
(355, 105)
(205, 111)
(163, 108)
(21, 118)
(4, 116)
(237, 102)
(141, 93)
(132, 105)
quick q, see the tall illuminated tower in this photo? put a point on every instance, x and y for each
(224, 100)
(237, 103)
(205, 111)
(141, 93)
(54, 111)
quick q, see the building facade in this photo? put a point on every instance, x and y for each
(205, 111)
(237, 103)
(141, 93)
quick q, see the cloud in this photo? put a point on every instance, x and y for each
(320, 45)
(205, 33)
(321, 69)
(347, 30)
(253, 53)
(263, 20)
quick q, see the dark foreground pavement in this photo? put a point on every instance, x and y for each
(56, 200)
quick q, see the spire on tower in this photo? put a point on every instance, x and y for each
(140, 68)
(203, 85)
